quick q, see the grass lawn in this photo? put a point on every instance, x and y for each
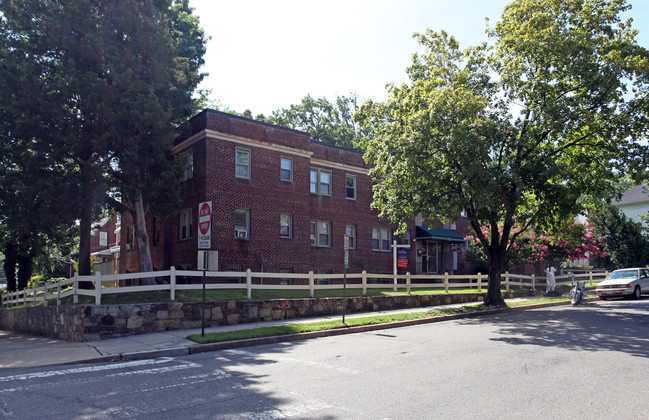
(197, 295)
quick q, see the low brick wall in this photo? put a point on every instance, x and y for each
(93, 322)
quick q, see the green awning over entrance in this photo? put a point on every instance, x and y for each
(423, 233)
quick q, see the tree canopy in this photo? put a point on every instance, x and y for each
(515, 132)
(92, 92)
(624, 241)
(325, 121)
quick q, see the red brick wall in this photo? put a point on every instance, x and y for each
(265, 196)
(109, 228)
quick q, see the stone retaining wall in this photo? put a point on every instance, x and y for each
(93, 322)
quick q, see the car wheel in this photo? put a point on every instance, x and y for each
(636, 293)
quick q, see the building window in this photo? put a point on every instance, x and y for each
(320, 234)
(350, 230)
(242, 163)
(156, 231)
(286, 169)
(350, 187)
(380, 239)
(130, 238)
(320, 182)
(451, 226)
(103, 238)
(185, 225)
(285, 225)
(188, 162)
(241, 224)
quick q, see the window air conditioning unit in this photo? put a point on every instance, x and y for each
(241, 234)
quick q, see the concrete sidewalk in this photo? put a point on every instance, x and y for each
(19, 351)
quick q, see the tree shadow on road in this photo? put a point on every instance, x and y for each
(615, 326)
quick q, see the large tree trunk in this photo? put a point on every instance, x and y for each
(25, 265)
(10, 252)
(494, 294)
(142, 240)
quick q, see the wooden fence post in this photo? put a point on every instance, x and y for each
(58, 292)
(364, 283)
(98, 288)
(408, 282)
(533, 281)
(172, 283)
(507, 280)
(311, 291)
(45, 294)
(446, 281)
(479, 282)
(249, 283)
(76, 287)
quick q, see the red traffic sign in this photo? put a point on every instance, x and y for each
(204, 218)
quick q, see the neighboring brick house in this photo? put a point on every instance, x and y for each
(104, 245)
(280, 203)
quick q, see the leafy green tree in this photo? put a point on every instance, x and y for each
(624, 241)
(326, 122)
(155, 53)
(37, 186)
(108, 83)
(512, 134)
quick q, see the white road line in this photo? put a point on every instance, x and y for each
(182, 366)
(112, 366)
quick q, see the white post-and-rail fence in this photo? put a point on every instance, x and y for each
(116, 283)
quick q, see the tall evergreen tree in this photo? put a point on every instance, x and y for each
(114, 79)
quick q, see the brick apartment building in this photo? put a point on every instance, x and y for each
(282, 203)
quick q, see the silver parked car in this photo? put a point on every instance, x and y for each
(626, 282)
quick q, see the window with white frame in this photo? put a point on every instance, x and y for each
(185, 225)
(241, 224)
(350, 187)
(350, 230)
(103, 238)
(320, 233)
(187, 159)
(380, 239)
(320, 181)
(285, 225)
(286, 169)
(242, 169)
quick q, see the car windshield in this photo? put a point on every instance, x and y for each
(625, 274)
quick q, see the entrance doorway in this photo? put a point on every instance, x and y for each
(434, 257)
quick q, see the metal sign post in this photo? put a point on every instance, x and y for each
(345, 275)
(203, 262)
(204, 242)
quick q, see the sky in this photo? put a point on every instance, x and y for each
(265, 55)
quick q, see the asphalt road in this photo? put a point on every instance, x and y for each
(589, 362)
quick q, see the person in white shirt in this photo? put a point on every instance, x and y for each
(549, 275)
